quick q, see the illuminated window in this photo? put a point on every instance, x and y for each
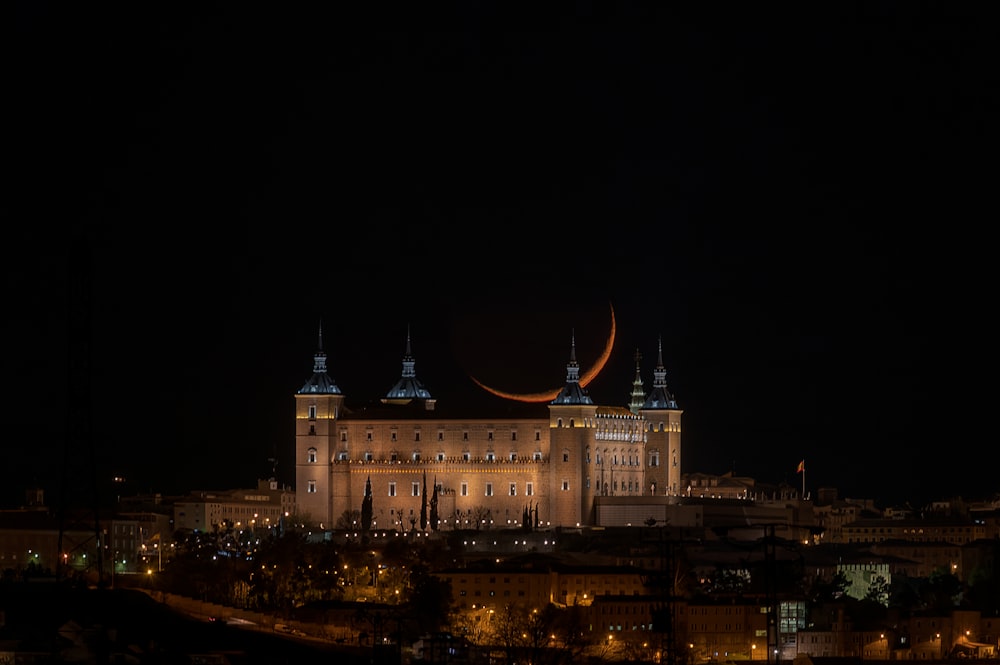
(466, 457)
(529, 489)
(537, 456)
(489, 489)
(490, 457)
(392, 489)
(512, 457)
(312, 412)
(342, 456)
(565, 486)
(513, 489)
(393, 435)
(440, 457)
(415, 489)
(311, 456)
(343, 436)
(369, 457)
(465, 489)
(654, 459)
(311, 486)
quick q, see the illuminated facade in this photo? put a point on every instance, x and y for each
(546, 465)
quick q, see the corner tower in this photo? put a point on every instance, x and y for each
(318, 404)
(663, 433)
(571, 427)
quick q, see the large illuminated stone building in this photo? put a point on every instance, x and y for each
(547, 465)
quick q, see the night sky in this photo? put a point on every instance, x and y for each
(796, 199)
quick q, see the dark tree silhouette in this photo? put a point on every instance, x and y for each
(434, 507)
(366, 506)
(423, 505)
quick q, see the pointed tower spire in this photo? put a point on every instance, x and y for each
(660, 397)
(572, 392)
(409, 387)
(408, 362)
(320, 382)
(638, 395)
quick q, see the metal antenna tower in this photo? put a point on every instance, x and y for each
(78, 496)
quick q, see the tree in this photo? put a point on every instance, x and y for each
(423, 505)
(348, 520)
(428, 601)
(434, 507)
(481, 516)
(878, 590)
(825, 591)
(941, 590)
(366, 506)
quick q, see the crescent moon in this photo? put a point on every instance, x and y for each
(550, 395)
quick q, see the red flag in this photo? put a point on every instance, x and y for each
(802, 467)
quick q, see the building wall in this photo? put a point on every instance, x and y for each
(722, 632)
(315, 416)
(578, 453)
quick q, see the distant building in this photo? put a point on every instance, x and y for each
(264, 507)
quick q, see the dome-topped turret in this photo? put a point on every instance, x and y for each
(320, 383)
(660, 397)
(409, 387)
(572, 392)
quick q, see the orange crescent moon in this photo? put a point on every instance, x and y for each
(550, 395)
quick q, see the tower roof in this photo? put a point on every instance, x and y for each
(572, 392)
(660, 397)
(320, 383)
(409, 386)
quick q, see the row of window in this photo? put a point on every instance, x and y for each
(368, 456)
(394, 435)
(529, 488)
(630, 460)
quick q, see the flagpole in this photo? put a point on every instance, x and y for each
(803, 480)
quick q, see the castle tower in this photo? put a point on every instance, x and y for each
(571, 427)
(318, 404)
(638, 396)
(663, 434)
